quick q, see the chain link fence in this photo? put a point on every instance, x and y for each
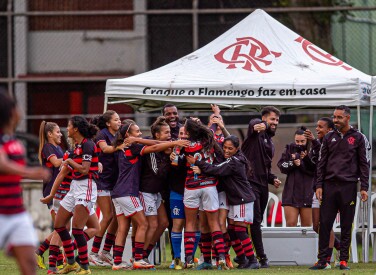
(55, 56)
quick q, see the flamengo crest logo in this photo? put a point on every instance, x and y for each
(248, 52)
(318, 55)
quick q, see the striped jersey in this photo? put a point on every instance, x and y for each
(86, 151)
(64, 186)
(11, 201)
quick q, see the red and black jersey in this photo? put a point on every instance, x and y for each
(196, 150)
(64, 186)
(11, 201)
(48, 151)
(86, 151)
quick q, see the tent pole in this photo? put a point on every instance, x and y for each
(105, 103)
(366, 258)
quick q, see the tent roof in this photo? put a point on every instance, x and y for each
(257, 62)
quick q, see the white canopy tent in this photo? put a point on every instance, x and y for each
(257, 62)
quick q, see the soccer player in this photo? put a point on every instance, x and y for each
(82, 195)
(50, 156)
(108, 123)
(17, 235)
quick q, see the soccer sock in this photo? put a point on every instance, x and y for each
(96, 244)
(52, 259)
(219, 243)
(109, 242)
(189, 240)
(214, 253)
(133, 246)
(235, 242)
(241, 233)
(337, 244)
(138, 254)
(67, 243)
(60, 258)
(197, 240)
(206, 246)
(226, 236)
(149, 249)
(118, 254)
(43, 247)
(81, 247)
(176, 238)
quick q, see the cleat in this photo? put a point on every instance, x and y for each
(52, 271)
(178, 265)
(69, 268)
(319, 266)
(59, 266)
(106, 258)
(236, 260)
(142, 264)
(94, 259)
(204, 266)
(40, 261)
(264, 262)
(189, 263)
(222, 265)
(243, 265)
(83, 271)
(253, 264)
(228, 261)
(343, 265)
(172, 265)
(122, 266)
(195, 260)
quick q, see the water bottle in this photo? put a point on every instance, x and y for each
(175, 162)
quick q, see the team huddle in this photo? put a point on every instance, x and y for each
(189, 176)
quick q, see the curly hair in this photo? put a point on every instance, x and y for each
(86, 129)
(101, 120)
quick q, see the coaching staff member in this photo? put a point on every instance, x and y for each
(343, 160)
(259, 150)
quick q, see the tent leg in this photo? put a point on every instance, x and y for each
(366, 256)
(105, 103)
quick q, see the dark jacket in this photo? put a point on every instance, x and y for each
(344, 158)
(297, 191)
(259, 150)
(314, 156)
(233, 173)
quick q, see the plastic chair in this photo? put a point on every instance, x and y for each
(372, 228)
(274, 210)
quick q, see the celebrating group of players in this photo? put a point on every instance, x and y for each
(190, 176)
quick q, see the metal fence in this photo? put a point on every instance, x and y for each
(56, 55)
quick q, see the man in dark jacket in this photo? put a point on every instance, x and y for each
(259, 150)
(170, 112)
(344, 159)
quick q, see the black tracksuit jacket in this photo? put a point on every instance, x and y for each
(259, 150)
(233, 174)
(344, 158)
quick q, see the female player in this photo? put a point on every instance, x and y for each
(50, 155)
(17, 234)
(82, 195)
(108, 123)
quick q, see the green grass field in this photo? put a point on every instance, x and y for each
(8, 266)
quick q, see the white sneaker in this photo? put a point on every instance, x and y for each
(142, 264)
(94, 259)
(123, 265)
(106, 258)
